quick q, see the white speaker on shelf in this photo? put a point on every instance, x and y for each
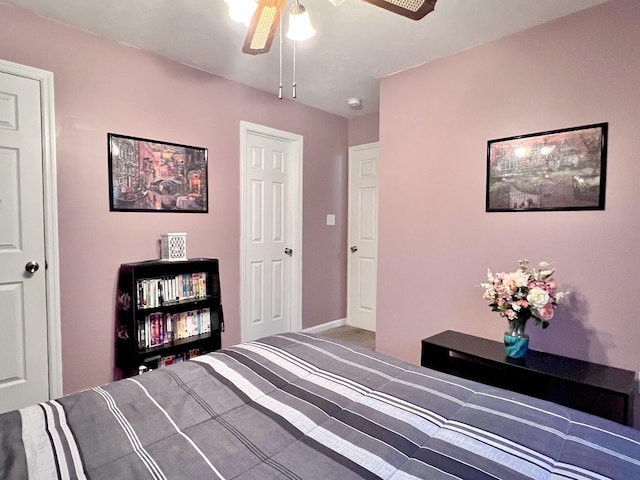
(174, 246)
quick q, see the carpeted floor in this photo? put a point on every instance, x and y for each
(347, 333)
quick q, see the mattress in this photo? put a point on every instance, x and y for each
(299, 406)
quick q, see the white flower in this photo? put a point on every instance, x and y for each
(526, 293)
(515, 280)
(537, 297)
(544, 274)
(489, 292)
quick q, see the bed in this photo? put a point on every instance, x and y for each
(300, 406)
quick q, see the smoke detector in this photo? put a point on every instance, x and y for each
(354, 103)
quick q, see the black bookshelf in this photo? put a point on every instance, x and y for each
(589, 387)
(167, 311)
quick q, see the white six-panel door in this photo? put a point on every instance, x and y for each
(25, 353)
(271, 245)
(363, 236)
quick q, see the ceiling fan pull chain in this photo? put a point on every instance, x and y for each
(280, 87)
(294, 69)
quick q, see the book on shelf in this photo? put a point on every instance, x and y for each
(155, 292)
(166, 360)
(162, 328)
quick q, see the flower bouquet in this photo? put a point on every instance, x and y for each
(521, 295)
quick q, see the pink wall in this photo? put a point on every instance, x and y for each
(435, 122)
(103, 86)
(364, 129)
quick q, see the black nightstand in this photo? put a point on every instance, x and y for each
(589, 387)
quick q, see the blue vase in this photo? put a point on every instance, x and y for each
(516, 341)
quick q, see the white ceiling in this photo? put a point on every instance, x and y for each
(357, 44)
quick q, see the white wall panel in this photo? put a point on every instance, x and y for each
(257, 158)
(277, 163)
(257, 292)
(277, 212)
(10, 238)
(257, 211)
(8, 111)
(367, 295)
(277, 290)
(368, 213)
(12, 353)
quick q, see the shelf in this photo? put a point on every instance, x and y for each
(149, 280)
(179, 306)
(170, 348)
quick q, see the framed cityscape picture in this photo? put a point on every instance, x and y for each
(554, 170)
(154, 176)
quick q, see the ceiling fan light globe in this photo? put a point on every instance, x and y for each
(241, 11)
(300, 27)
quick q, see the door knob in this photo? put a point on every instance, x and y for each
(354, 249)
(32, 267)
(288, 251)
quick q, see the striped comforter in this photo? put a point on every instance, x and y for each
(297, 406)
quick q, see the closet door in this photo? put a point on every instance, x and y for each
(272, 228)
(363, 236)
(24, 328)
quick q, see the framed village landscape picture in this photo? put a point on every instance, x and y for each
(555, 170)
(154, 176)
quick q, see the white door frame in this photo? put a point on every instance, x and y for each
(52, 279)
(295, 205)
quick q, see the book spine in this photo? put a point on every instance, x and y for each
(207, 320)
(180, 326)
(139, 294)
(169, 328)
(145, 293)
(190, 322)
(154, 331)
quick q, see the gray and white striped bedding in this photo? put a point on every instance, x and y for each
(298, 406)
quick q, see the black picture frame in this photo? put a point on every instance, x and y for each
(155, 176)
(554, 170)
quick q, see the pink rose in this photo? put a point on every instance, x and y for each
(546, 312)
(541, 285)
(523, 303)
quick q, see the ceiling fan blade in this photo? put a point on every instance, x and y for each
(413, 9)
(264, 24)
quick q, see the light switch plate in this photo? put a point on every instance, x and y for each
(331, 219)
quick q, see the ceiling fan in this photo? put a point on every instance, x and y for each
(266, 18)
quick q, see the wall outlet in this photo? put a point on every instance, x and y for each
(331, 219)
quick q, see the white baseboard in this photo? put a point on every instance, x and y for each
(326, 326)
